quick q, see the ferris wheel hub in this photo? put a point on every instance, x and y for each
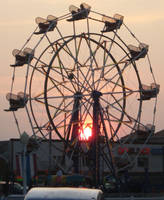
(78, 95)
(96, 94)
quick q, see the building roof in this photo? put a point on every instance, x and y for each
(159, 133)
(156, 138)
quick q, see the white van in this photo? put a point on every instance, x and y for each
(63, 193)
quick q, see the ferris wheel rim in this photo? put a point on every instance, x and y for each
(54, 58)
(69, 37)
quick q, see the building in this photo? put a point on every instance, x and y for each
(47, 157)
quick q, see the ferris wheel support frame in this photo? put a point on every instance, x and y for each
(85, 94)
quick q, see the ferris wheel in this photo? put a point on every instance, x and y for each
(87, 79)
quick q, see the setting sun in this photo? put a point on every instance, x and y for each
(86, 133)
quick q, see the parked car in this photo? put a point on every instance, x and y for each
(10, 188)
(63, 193)
(15, 197)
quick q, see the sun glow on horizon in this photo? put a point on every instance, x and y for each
(85, 133)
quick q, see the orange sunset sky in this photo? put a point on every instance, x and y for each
(17, 21)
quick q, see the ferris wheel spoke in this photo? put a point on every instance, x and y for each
(41, 94)
(69, 124)
(60, 65)
(97, 82)
(107, 139)
(111, 128)
(87, 108)
(104, 64)
(41, 102)
(91, 52)
(61, 83)
(110, 105)
(59, 110)
(58, 114)
(40, 63)
(125, 93)
(75, 44)
(63, 67)
(114, 119)
(77, 80)
(92, 60)
(68, 51)
(55, 86)
(119, 74)
(92, 55)
(105, 58)
(117, 100)
(116, 84)
(111, 44)
(49, 89)
(76, 54)
(51, 44)
(121, 98)
(65, 42)
(68, 129)
(129, 117)
(114, 66)
(71, 112)
(84, 115)
(77, 50)
(62, 123)
(95, 51)
(107, 81)
(79, 67)
(82, 120)
(120, 62)
(85, 83)
(83, 88)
